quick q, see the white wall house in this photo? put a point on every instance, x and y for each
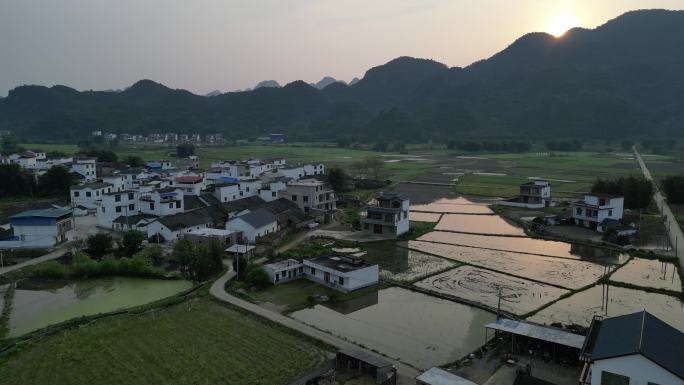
(117, 181)
(388, 215)
(271, 191)
(314, 169)
(310, 194)
(117, 204)
(595, 208)
(88, 194)
(292, 172)
(341, 271)
(39, 229)
(190, 184)
(86, 167)
(227, 192)
(284, 271)
(533, 195)
(133, 177)
(249, 187)
(254, 224)
(174, 227)
(25, 160)
(162, 202)
(633, 349)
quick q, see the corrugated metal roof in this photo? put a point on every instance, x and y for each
(437, 376)
(43, 213)
(543, 333)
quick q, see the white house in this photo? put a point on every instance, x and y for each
(284, 271)
(254, 224)
(133, 177)
(533, 195)
(595, 208)
(249, 187)
(314, 169)
(227, 192)
(24, 160)
(117, 181)
(163, 202)
(633, 349)
(190, 184)
(341, 271)
(310, 194)
(116, 204)
(271, 190)
(173, 227)
(88, 194)
(388, 215)
(292, 172)
(39, 229)
(85, 167)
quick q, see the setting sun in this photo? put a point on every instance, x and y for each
(560, 23)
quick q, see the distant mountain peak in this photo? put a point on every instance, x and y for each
(213, 93)
(267, 84)
(326, 81)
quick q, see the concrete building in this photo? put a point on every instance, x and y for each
(254, 224)
(86, 167)
(388, 215)
(310, 194)
(133, 177)
(163, 202)
(595, 208)
(533, 195)
(341, 271)
(190, 184)
(88, 194)
(284, 271)
(174, 227)
(39, 229)
(205, 236)
(116, 204)
(633, 349)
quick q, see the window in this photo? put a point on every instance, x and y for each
(151, 206)
(103, 209)
(610, 213)
(277, 277)
(405, 214)
(579, 211)
(602, 202)
(608, 378)
(88, 194)
(171, 205)
(76, 193)
(131, 207)
(301, 270)
(117, 198)
(130, 196)
(273, 193)
(313, 271)
(341, 280)
(305, 198)
(294, 198)
(118, 209)
(178, 204)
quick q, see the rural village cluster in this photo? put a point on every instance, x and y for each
(248, 206)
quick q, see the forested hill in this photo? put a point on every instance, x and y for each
(624, 78)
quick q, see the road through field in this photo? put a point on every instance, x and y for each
(674, 231)
(406, 374)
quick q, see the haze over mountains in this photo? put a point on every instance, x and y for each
(622, 79)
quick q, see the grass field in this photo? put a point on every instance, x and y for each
(195, 342)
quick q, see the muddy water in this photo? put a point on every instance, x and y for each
(416, 328)
(526, 245)
(398, 263)
(649, 273)
(417, 216)
(571, 274)
(581, 307)
(518, 296)
(478, 224)
(452, 208)
(39, 303)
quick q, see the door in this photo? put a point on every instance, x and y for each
(326, 277)
(377, 229)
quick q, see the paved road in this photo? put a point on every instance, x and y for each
(674, 231)
(406, 374)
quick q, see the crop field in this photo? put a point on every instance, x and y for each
(649, 273)
(195, 342)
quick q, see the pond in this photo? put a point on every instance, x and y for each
(416, 328)
(398, 263)
(41, 302)
(649, 273)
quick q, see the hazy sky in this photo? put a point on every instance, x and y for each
(203, 45)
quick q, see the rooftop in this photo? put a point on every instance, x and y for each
(189, 179)
(437, 376)
(340, 262)
(539, 332)
(387, 196)
(280, 265)
(185, 220)
(94, 186)
(42, 213)
(258, 218)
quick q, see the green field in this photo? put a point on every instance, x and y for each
(196, 342)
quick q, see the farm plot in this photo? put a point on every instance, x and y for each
(518, 296)
(195, 342)
(418, 265)
(580, 308)
(649, 273)
(417, 216)
(478, 224)
(571, 274)
(452, 208)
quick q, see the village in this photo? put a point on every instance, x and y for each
(511, 270)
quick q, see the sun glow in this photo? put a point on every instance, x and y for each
(561, 23)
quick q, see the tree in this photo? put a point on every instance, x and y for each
(185, 150)
(15, 181)
(132, 241)
(673, 188)
(207, 261)
(240, 267)
(99, 244)
(154, 253)
(374, 165)
(183, 253)
(626, 145)
(56, 181)
(337, 178)
(257, 277)
(637, 190)
(134, 161)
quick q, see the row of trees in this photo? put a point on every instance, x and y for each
(563, 145)
(19, 182)
(198, 262)
(489, 146)
(637, 190)
(673, 188)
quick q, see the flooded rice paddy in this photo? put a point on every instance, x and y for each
(518, 296)
(478, 224)
(398, 263)
(571, 274)
(421, 330)
(453, 208)
(39, 303)
(418, 216)
(525, 245)
(580, 308)
(649, 273)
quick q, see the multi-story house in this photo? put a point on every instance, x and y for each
(117, 204)
(310, 194)
(314, 169)
(190, 184)
(89, 194)
(597, 208)
(388, 215)
(533, 195)
(270, 191)
(133, 177)
(162, 202)
(117, 181)
(85, 167)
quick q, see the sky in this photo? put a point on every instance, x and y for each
(206, 45)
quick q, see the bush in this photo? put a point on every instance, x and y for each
(83, 266)
(673, 188)
(49, 269)
(257, 277)
(132, 241)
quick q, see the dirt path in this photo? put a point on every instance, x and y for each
(406, 374)
(674, 231)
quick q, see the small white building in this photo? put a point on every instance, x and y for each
(254, 224)
(116, 204)
(595, 208)
(117, 181)
(271, 191)
(341, 271)
(249, 187)
(133, 177)
(85, 167)
(227, 192)
(39, 229)
(533, 195)
(388, 215)
(314, 169)
(88, 194)
(173, 227)
(633, 349)
(163, 202)
(284, 271)
(190, 184)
